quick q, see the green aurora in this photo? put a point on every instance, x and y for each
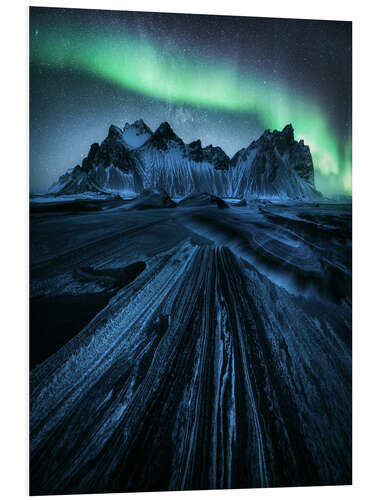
(149, 69)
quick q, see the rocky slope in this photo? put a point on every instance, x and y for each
(275, 165)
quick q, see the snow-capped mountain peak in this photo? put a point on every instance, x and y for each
(136, 134)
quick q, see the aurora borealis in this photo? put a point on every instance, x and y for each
(210, 77)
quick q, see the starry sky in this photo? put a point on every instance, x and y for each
(220, 79)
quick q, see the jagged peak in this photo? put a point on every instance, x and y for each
(286, 135)
(210, 147)
(195, 144)
(288, 128)
(162, 136)
(165, 129)
(165, 133)
(114, 132)
(138, 124)
(288, 132)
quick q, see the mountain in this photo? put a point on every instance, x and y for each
(108, 168)
(135, 158)
(181, 169)
(275, 165)
(136, 134)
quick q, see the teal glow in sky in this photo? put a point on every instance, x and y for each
(141, 65)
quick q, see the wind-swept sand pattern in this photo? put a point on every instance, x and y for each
(200, 371)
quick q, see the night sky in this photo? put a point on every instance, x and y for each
(220, 79)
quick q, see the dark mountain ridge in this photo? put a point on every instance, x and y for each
(135, 158)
